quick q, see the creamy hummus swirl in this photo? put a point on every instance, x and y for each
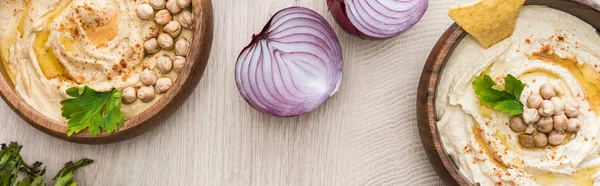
(49, 46)
(547, 46)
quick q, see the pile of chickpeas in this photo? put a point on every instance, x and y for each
(546, 120)
(162, 11)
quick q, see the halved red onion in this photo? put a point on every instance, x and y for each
(377, 19)
(292, 66)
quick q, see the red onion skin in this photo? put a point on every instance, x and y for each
(264, 35)
(338, 11)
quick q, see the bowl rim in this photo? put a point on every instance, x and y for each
(426, 95)
(181, 89)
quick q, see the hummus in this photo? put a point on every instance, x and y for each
(548, 46)
(51, 45)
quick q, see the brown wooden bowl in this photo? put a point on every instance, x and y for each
(181, 89)
(586, 10)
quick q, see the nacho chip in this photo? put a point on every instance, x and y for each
(489, 21)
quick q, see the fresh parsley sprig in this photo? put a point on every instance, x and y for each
(95, 111)
(11, 163)
(504, 99)
(65, 176)
(35, 175)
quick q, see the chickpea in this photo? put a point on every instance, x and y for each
(165, 41)
(163, 17)
(158, 4)
(556, 138)
(560, 122)
(530, 116)
(164, 64)
(173, 7)
(186, 19)
(526, 140)
(516, 124)
(178, 63)
(182, 47)
(129, 96)
(163, 84)
(148, 77)
(173, 28)
(559, 105)
(547, 91)
(547, 108)
(540, 140)
(145, 11)
(545, 124)
(572, 109)
(151, 46)
(146, 93)
(184, 3)
(534, 101)
(573, 125)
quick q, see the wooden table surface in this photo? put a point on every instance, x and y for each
(365, 135)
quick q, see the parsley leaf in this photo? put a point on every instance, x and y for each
(514, 86)
(505, 99)
(513, 107)
(488, 92)
(96, 111)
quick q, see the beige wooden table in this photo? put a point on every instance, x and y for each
(365, 135)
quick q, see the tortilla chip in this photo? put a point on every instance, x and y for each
(489, 21)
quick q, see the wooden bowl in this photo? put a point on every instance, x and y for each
(586, 10)
(181, 89)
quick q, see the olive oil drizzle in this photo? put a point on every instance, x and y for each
(586, 75)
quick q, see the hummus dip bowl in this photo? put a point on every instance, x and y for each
(586, 10)
(181, 89)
